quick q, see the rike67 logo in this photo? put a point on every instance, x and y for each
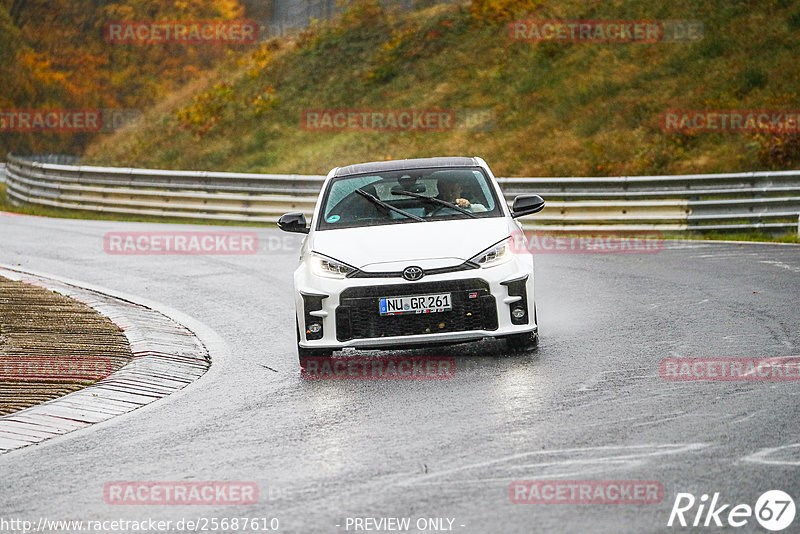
(774, 510)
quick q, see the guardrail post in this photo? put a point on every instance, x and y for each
(798, 225)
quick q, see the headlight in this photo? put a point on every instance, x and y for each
(328, 267)
(497, 254)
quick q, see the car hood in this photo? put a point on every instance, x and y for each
(427, 245)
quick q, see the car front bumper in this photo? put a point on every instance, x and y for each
(347, 309)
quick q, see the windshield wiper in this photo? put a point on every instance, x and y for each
(375, 200)
(435, 200)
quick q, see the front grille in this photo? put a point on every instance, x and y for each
(357, 316)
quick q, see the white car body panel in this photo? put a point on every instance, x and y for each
(392, 248)
(434, 244)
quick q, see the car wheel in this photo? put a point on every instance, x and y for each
(523, 342)
(303, 353)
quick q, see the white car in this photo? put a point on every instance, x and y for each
(414, 252)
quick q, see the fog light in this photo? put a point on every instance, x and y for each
(314, 328)
(518, 313)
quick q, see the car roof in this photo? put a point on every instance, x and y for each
(403, 164)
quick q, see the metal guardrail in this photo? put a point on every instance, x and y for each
(58, 159)
(700, 202)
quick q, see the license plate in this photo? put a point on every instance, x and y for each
(417, 304)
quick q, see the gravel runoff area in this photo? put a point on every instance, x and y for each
(51, 345)
(102, 356)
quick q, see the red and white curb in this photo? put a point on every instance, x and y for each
(167, 357)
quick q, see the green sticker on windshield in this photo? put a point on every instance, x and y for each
(333, 218)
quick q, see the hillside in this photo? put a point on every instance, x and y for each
(54, 56)
(556, 108)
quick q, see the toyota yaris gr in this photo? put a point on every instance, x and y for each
(401, 254)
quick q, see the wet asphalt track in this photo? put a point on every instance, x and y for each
(589, 404)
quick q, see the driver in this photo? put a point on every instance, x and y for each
(450, 190)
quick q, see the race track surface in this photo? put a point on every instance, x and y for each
(589, 404)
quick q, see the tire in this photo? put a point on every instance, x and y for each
(523, 342)
(303, 353)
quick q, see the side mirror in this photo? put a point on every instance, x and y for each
(293, 222)
(526, 204)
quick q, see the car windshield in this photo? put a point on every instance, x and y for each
(408, 196)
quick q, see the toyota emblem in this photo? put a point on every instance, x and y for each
(413, 274)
